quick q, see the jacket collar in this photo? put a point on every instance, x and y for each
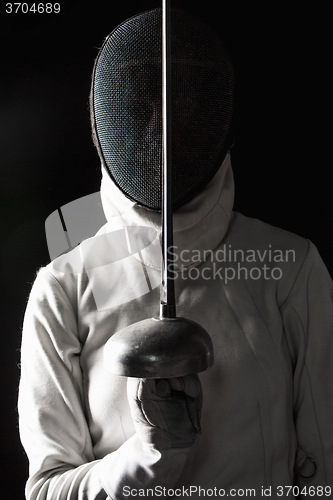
(199, 225)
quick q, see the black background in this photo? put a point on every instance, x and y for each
(281, 157)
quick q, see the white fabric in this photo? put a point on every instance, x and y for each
(200, 224)
(267, 399)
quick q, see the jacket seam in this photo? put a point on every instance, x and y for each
(306, 369)
(62, 290)
(297, 276)
(266, 326)
(85, 407)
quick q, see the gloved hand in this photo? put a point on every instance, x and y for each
(166, 412)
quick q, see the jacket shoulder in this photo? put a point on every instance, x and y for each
(246, 232)
(270, 251)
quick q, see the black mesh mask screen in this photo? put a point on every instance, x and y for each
(126, 106)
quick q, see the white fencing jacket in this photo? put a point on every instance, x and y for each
(264, 296)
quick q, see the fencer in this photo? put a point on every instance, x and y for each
(263, 294)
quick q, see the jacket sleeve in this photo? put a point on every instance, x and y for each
(53, 427)
(308, 322)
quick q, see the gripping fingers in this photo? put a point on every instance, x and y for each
(190, 385)
(193, 413)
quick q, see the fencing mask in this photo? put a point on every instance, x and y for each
(126, 106)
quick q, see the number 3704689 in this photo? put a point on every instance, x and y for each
(35, 8)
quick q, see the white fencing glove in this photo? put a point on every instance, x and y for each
(166, 412)
(166, 416)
